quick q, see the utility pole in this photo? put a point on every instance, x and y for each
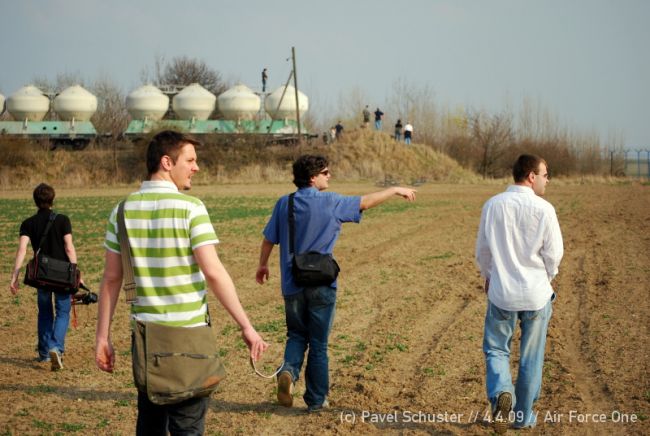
(295, 85)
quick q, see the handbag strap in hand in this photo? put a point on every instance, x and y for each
(128, 284)
(50, 221)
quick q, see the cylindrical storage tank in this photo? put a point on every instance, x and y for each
(239, 103)
(2, 104)
(147, 102)
(75, 103)
(287, 108)
(194, 101)
(28, 103)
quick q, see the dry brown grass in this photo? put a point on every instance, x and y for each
(361, 155)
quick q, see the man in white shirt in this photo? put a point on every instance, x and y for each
(518, 250)
(408, 133)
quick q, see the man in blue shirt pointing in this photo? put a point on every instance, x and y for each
(309, 311)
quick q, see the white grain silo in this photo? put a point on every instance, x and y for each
(194, 102)
(147, 102)
(75, 103)
(239, 103)
(2, 104)
(279, 107)
(28, 104)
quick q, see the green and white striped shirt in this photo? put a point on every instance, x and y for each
(164, 226)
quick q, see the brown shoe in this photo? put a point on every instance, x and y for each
(285, 389)
(501, 415)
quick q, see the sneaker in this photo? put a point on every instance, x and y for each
(318, 408)
(501, 415)
(57, 360)
(285, 389)
(41, 359)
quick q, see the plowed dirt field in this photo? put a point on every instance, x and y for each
(405, 350)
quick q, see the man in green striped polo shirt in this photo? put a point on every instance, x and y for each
(172, 246)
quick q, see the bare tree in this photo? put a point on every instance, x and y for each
(492, 135)
(350, 107)
(416, 104)
(111, 116)
(183, 70)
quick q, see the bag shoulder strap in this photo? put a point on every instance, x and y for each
(292, 224)
(128, 283)
(50, 221)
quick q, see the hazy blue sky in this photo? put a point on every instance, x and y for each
(587, 61)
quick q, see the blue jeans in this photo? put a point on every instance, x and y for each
(52, 324)
(398, 136)
(377, 124)
(499, 329)
(309, 316)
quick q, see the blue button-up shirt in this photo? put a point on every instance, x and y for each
(318, 217)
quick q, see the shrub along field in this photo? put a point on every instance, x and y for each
(405, 350)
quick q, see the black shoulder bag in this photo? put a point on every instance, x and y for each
(312, 268)
(46, 272)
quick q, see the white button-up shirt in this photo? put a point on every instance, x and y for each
(519, 249)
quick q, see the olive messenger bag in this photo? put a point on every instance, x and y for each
(170, 364)
(45, 272)
(311, 268)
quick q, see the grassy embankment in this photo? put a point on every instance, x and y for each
(360, 156)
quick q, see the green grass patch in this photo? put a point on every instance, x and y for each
(271, 326)
(70, 427)
(41, 389)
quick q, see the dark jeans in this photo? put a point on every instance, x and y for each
(309, 316)
(186, 418)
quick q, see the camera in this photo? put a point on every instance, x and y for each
(88, 297)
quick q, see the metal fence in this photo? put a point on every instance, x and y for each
(625, 163)
(636, 163)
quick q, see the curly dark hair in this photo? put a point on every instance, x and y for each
(44, 196)
(166, 143)
(307, 166)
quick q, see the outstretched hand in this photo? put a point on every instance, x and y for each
(406, 193)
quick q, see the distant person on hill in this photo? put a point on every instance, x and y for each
(518, 250)
(332, 134)
(52, 322)
(378, 115)
(408, 133)
(265, 77)
(398, 130)
(339, 131)
(366, 117)
(309, 311)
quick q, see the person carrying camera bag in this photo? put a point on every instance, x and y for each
(172, 248)
(57, 244)
(307, 224)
